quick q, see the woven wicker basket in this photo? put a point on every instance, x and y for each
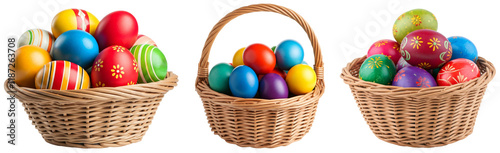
(259, 123)
(419, 117)
(95, 117)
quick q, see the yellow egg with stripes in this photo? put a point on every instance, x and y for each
(74, 19)
(62, 75)
(37, 37)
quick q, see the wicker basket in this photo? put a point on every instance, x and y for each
(95, 117)
(419, 117)
(259, 123)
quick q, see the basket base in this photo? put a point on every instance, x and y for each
(417, 144)
(94, 145)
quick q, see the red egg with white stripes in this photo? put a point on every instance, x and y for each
(114, 66)
(74, 19)
(143, 39)
(62, 75)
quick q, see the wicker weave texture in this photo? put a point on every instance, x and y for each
(419, 117)
(259, 123)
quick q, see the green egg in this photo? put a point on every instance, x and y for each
(218, 78)
(413, 20)
(379, 69)
(152, 64)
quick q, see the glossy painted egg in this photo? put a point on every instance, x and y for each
(386, 47)
(218, 78)
(152, 63)
(260, 58)
(243, 82)
(114, 66)
(457, 71)
(401, 63)
(412, 76)
(301, 79)
(62, 75)
(76, 46)
(74, 19)
(37, 37)
(273, 86)
(238, 57)
(117, 28)
(28, 61)
(288, 54)
(413, 20)
(463, 48)
(142, 39)
(426, 49)
(377, 68)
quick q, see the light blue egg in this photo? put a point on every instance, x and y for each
(288, 54)
(463, 48)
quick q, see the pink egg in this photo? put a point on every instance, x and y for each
(386, 47)
(142, 39)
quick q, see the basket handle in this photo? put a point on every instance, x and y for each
(318, 58)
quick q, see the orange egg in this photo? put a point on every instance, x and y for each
(28, 61)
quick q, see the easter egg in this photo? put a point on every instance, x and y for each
(401, 63)
(377, 68)
(413, 20)
(260, 58)
(37, 37)
(238, 57)
(76, 46)
(412, 76)
(301, 79)
(117, 28)
(426, 49)
(243, 82)
(28, 61)
(62, 75)
(152, 63)
(218, 78)
(273, 86)
(463, 48)
(142, 39)
(74, 19)
(457, 71)
(288, 54)
(385, 47)
(114, 66)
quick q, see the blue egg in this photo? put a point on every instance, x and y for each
(288, 54)
(76, 46)
(463, 48)
(243, 82)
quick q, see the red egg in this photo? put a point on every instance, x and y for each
(425, 48)
(457, 71)
(114, 66)
(117, 28)
(260, 58)
(387, 47)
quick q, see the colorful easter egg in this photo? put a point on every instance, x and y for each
(260, 58)
(401, 63)
(117, 28)
(412, 76)
(413, 20)
(218, 78)
(142, 39)
(114, 66)
(273, 86)
(457, 71)
(377, 68)
(37, 37)
(153, 65)
(288, 54)
(28, 61)
(301, 79)
(76, 46)
(62, 75)
(243, 82)
(463, 48)
(238, 57)
(74, 19)
(426, 49)
(386, 47)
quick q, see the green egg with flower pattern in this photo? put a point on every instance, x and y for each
(152, 64)
(413, 20)
(378, 68)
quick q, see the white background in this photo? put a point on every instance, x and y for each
(345, 30)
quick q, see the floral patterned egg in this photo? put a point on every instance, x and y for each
(427, 49)
(377, 68)
(457, 71)
(62, 75)
(413, 20)
(385, 47)
(401, 63)
(37, 37)
(412, 76)
(114, 66)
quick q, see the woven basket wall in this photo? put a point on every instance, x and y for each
(259, 123)
(419, 117)
(95, 117)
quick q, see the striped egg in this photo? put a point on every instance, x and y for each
(74, 19)
(142, 39)
(151, 62)
(37, 37)
(62, 75)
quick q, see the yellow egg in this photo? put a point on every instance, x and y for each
(301, 79)
(72, 19)
(238, 58)
(28, 61)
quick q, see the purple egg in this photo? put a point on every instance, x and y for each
(273, 86)
(401, 63)
(412, 76)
